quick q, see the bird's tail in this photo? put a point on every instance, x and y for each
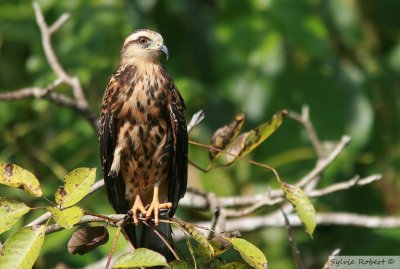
(142, 236)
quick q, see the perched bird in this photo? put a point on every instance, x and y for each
(143, 139)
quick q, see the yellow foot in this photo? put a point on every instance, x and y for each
(154, 210)
(155, 206)
(137, 208)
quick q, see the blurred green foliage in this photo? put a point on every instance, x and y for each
(341, 57)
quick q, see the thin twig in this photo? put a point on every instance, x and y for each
(356, 181)
(128, 240)
(204, 170)
(322, 164)
(293, 244)
(78, 103)
(304, 119)
(155, 230)
(333, 254)
(58, 23)
(52, 59)
(266, 166)
(215, 209)
(120, 225)
(88, 219)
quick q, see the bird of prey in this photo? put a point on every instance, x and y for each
(143, 139)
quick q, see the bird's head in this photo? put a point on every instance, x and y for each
(143, 45)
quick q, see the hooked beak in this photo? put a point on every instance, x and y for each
(164, 49)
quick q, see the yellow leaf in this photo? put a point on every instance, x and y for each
(304, 208)
(68, 217)
(250, 253)
(10, 212)
(198, 236)
(77, 186)
(141, 258)
(22, 248)
(14, 176)
(248, 141)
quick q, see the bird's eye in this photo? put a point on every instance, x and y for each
(142, 40)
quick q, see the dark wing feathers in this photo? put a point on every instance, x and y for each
(108, 134)
(177, 174)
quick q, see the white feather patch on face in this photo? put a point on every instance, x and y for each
(133, 51)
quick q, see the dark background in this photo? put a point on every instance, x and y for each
(340, 57)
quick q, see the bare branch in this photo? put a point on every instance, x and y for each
(30, 92)
(322, 164)
(114, 244)
(52, 59)
(304, 119)
(293, 244)
(89, 219)
(59, 99)
(58, 23)
(218, 215)
(200, 200)
(334, 253)
(356, 181)
(196, 199)
(255, 206)
(246, 224)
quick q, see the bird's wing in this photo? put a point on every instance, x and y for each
(108, 134)
(177, 175)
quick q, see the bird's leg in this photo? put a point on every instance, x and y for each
(137, 207)
(155, 205)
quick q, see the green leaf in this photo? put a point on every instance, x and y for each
(68, 217)
(77, 186)
(10, 212)
(190, 247)
(215, 263)
(198, 236)
(141, 258)
(225, 135)
(14, 176)
(22, 248)
(304, 208)
(250, 253)
(248, 141)
(202, 254)
(235, 265)
(179, 265)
